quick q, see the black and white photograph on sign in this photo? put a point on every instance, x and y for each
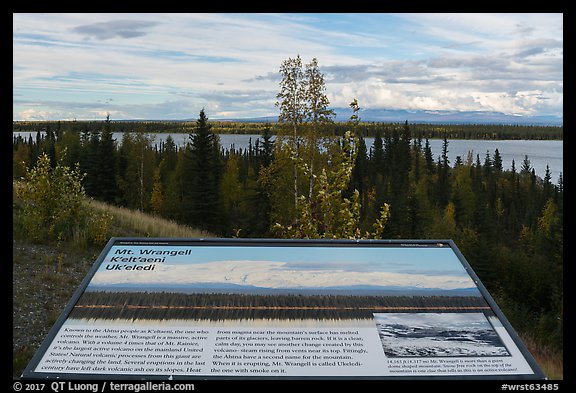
(438, 334)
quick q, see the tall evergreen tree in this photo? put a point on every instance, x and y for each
(377, 155)
(497, 161)
(399, 153)
(266, 148)
(50, 145)
(359, 179)
(202, 205)
(443, 186)
(90, 163)
(231, 189)
(428, 157)
(106, 180)
(136, 170)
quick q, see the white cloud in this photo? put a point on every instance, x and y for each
(410, 61)
(34, 114)
(273, 275)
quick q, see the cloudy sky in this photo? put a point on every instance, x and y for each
(169, 66)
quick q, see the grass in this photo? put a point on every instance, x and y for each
(128, 222)
(551, 362)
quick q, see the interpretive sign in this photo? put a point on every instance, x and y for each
(226, 308)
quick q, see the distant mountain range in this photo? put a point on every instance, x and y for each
(420, 116)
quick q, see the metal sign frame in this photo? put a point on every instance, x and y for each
(31, 373)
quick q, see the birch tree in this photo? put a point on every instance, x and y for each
(291, 101)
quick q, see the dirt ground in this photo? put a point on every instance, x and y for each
(44, 278)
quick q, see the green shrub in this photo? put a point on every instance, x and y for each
(52, 200)
(52, 205)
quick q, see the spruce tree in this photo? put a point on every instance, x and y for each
(266, 148)
(428, 157)
(497, 162)
(107, 188)
(201, 178)
(89, 163)
(443, 186)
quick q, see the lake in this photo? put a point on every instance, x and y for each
(539, 152)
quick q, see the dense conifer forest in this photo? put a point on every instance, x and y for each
(368, 129)
(215, 306)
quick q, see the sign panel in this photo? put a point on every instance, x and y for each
(215, 308)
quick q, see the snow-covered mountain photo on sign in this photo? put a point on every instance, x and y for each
(438, 335)
(268, 270)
